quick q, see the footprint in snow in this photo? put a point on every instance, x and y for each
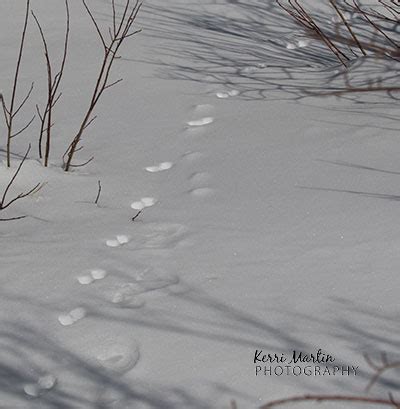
(160, 167)
(159, 236)
(201, 192)
(150, 281)
(192, 156)
(201, 122)
(93, 275)
(72, 317)
(43, 384)
(143, 202)
(119, 240)
(198, 180)
(227, 94)
(292, 45)
(119, 358)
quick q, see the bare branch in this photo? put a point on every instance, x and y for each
(4, 204)
(137, 215)
(12, 218)
(24, 128)
(331, 398)
(82, 164)
(23, 101)
(380, 368)
(334, 5)
(52, 86)
(118, 33)
(98, 193)
(113, 83)
(11, 112)
(95, 24)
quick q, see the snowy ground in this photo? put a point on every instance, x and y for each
(269, 220)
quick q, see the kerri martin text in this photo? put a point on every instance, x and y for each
(313, 367)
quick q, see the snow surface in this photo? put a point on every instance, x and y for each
(273, 227)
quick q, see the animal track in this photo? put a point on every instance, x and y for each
(119, 240)
(199, 178)
(93, 275)
(159, 236)
(143, 202)
(72, 317)
(150, 280)
(192, 156)
(201, 192)
(227, 94)
(201, 122)
(119, 358)
(160, 167)
(203, 109)
(44, 383)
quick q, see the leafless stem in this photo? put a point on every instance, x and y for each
(137, 215)
(53, 83)
(118, 32)
(11, 111)
(379, 368)
(338, 11)
(12, 218)
(376, 24)
(4, 204)
(332, 398)
(304, 18)
(98, 193)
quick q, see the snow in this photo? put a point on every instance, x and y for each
(267, 220)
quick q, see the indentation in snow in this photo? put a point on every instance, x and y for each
(98, 274)
(160, 167)
(85, 279)
(120, 358)
(144, 202)
(119, 240)
(73, 316)
(201, 192)
(122, 239)
(137, 205)
(201, 122)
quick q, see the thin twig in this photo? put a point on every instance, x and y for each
(137, 215)
(53, 84)
(4, 204)
(13, 218)
(331, 398)
(98, 193)
(334, 5)
(380, 368)
(10, 112)
(118, 33)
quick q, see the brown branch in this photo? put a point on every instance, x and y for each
(53, 84)
(137, 215)
(119, 33)
(304, 18)
(24, 128)
(380, 368)
(354, 90)
(12, 218)
(338, 11)
(24, 100)
(10, 112)
(98, 193)
(372, 23)
(331, 398)
(80, 165)
(4, 204)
